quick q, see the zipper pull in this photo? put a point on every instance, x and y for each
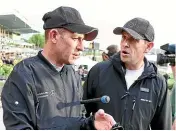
(126, 94)
(134, 103)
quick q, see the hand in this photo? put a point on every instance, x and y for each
(103, 121)
(174, 125)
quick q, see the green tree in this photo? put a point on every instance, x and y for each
(37, 39)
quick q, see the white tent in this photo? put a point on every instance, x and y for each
(152, 58)
(85, 61)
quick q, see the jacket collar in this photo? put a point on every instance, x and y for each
(48, 64)
(149, 68)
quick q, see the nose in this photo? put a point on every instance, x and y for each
(80, 46)
(124, 43)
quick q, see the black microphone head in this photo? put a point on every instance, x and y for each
(105, 99)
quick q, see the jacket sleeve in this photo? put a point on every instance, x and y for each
(89, 89)
(162, 119)
(70, 123)
(19, 106)
(18, 102)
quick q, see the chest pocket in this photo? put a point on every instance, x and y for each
(144, 105)
(145, 95)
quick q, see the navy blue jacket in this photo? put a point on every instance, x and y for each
(37, 96)
(145, 105)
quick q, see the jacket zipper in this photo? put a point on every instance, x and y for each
(131, 117)
(133, 106)
(126, 94)
(123, 118)
(134, 101)
(124, 113)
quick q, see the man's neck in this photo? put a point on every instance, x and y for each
(135, 66)
(51, 58)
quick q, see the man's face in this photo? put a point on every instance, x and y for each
(132, 50)
(68, 46)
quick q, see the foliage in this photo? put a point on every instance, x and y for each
(170, 81)
(5, 70)
(37, 39)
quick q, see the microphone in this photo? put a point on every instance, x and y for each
(103, 99)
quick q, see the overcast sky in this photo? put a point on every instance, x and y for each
(105, 15)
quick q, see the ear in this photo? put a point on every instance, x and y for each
(105, 57)
(53, 34)
(149, 46)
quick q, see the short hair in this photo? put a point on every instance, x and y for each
(46, 34)
(60, 30)
(112, 49)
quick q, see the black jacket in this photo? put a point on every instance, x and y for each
(37, 96)
(145, 105)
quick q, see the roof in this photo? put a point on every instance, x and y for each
(15, 24)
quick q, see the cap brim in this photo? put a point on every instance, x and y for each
(135, 35)
(89, 32)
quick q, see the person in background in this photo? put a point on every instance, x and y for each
(112, 49)
(173, 67)
(81, 71)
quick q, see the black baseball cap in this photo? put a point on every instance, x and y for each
(138, 28)
(70, 19)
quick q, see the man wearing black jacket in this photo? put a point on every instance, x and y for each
(139, 95)
(43, 92)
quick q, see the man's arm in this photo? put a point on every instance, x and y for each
(19, 107)
(162, 119)
(18, 102)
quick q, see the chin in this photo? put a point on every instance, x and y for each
(71, 62)
(124, 60)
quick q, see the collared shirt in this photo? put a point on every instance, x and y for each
(57, 67)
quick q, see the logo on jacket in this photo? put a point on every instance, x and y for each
(46, 94)
(144, 89)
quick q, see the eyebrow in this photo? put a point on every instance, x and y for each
(125, 33)
(78, 35)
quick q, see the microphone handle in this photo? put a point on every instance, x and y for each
(90, 100)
